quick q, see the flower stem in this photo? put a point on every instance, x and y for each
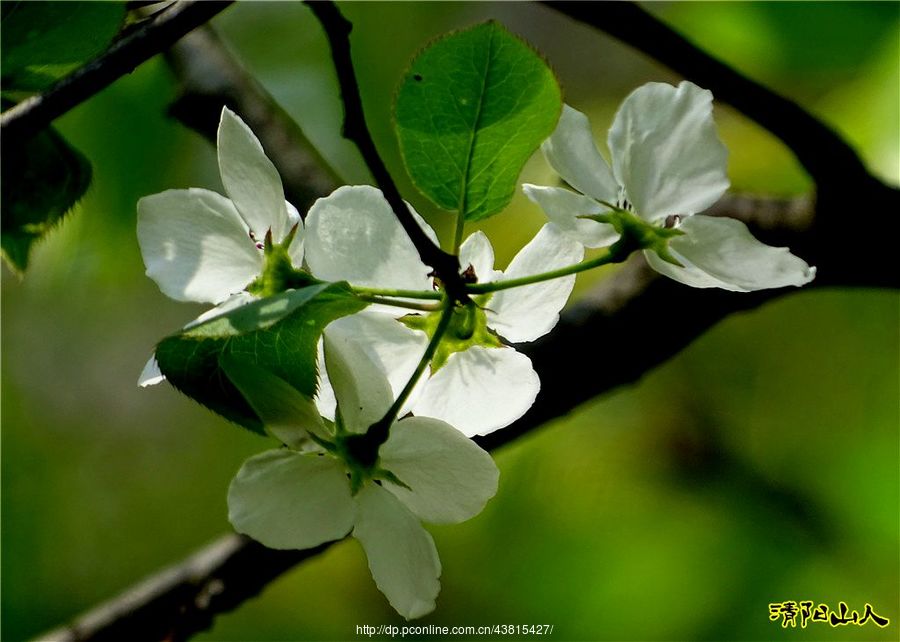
(364, 448)
(460, 226)
(616, 253)
(443, 324)
(433, 295)
(409, 305)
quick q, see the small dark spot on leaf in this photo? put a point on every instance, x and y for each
(417, 77)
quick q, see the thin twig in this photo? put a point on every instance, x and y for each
(35, 113)
(337, 29)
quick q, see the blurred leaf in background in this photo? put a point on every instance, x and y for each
(44, 176)
(759, 465)
(42, 179)
(44, 41)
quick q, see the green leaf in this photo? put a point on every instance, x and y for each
(287, 415)
(42, 178)
(44, 41)
(471, 109)
(278, 334)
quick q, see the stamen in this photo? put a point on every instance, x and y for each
(672, 220)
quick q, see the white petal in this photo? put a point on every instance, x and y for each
(195, 245)
(528, 312)
(151, 374)
(287, 500)
(571, 151)
(353, 235)
(722, 253)
(325, 399)
(361, 387)
(666, 152)
(450, 477)
(402, 556)
(250, 178)
(394, 348)
(480, 390)
(563, 207)
(477, 251)
(295, 251)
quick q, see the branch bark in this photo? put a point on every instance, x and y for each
(337, 29)
(819, 149)
(634, 305)
(210, 77)
(34, 113)
(854, 210)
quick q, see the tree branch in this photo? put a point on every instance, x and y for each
(337, 29)
(34, 113)
(821, 151)
(634, 305)
(854, 210)
(183, 599)
(210, 77)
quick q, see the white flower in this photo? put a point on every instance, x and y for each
(426, 470)
(481, 388)
(667, 164)
(481, 385)
(200, 246)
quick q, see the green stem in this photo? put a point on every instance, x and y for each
(409, 305)
(433, 295)
(361, 451)
(443, 324)
(613, 254)
(457, 237)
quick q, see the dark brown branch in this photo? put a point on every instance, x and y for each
(209, 77)
(853, 207)
(337, 29)
(33, 114)
(651, 318)
(823, 153)
(181, 600)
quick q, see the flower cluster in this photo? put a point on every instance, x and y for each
(404, 383)
(311, 493)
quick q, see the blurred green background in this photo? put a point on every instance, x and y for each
(761, 465)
